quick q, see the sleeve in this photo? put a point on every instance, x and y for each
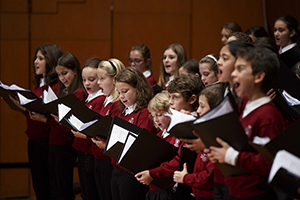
(203, 179)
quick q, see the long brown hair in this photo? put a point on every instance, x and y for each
(136, 79)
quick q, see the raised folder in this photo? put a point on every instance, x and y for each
(83, 119)
(285, 173)
(288, 140)
(137, 149)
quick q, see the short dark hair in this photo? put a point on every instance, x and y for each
(257, 31)
(261, 60)
(187, 85)
(192, 66)
(213, 94)
(242, 36)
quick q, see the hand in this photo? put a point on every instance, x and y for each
(178, 175)
(185, 111)
(16, 101)
(218, 153)
(144, 177)
(55, 117)
(99, 142)
(78, 134)
(37, 117)
(194, 144)
(271, 93)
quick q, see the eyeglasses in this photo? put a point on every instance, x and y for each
(136, 61)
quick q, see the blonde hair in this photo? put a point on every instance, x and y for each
(112, 67)
(159, 102)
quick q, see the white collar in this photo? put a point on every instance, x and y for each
(130, 109)
(252, 105)
(108, 100)
(147, 73)
(165, 134)
(286, 48)
(42, 82)
(94, 95)
(194, 113)
(171, 78)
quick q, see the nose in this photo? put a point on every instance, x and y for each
(35, 61)
(170, 102)
(219, 62)
(233, 74)
(199, 111)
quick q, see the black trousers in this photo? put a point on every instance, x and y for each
(266, 196)
(38, 151)
(221, 192)
(86, 176)
(61, 164)
(103, 170)
(124, 186)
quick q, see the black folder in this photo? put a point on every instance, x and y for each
(146, 151)
(100, 128)
(288, 139)
(288, 81)
(117, 135)
(223, 122)
(285, 174)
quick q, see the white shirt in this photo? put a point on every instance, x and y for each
(130, 109)
(147, 73)
(94, 95)
(42, 82)
(252, 105)
(286, 48)
(171, 78)
(108, 100)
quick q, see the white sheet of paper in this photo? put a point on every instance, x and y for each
(49, 96)
(62, 111)
(127, 145)
(78, 124)
(287, 161)
(292, 101)
(178, 117)
(223, 108)
(24, 100)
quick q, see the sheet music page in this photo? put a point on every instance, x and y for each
(223, 108)
(178, 117)
(287, 161)
(24, 100)
(292, 101)
(15, 87)
(118, 134)
(49, 96)
(75, 122)
(130, 140)
(62, 111)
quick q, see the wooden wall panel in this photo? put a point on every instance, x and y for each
(278, 8)
(210, 16)
(156, 24)
(79, 27)
(14, 69)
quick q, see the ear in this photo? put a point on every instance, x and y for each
(292, 33)
(197, 74)
(148, 61)
(259, 77)
(114, 80)
(192, 99)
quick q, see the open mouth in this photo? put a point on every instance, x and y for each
(220, 72)
(236, 85)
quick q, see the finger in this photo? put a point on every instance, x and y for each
(184, 167)
(221, 142)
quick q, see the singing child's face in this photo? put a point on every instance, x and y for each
(282, 34)
(243, 79)
(160, 119)
(40, 64)
(207, 75)
(203, 105)
(170, 61)
(127, 93)
(178, 102)
(65, 75)
(90, 79)
(225, 65)
(105, 82)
